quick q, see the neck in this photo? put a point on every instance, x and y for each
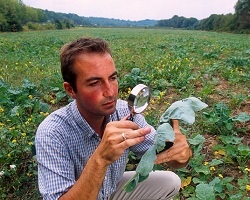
(95, 121)
(97, 124)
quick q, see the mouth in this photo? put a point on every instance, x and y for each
(109, 103)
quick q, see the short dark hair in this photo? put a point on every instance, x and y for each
(72, 50)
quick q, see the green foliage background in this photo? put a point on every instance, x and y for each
(16, 16)
(175, 64)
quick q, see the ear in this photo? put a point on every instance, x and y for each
(69, 90)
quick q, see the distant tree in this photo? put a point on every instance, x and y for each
(242, 10)
(41, 16)
(178, 22)
(68, 23)
(217, 22)
(11, 15)
(58, 24)
(30, 15)
(229, 22)
(208, 23)
(3, 23)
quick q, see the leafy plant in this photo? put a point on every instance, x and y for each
(184, 111)
(133, 78)
(20, 112)
(175, 63)
(219, 120)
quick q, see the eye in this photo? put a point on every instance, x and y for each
(113, 78)
(94, 83)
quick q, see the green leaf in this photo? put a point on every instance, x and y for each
(204, 192)
(236, 196)
(183, 110)
(44, 107)
(215, 162)
(199, 139)
(227, 180)
(146, 164)
(6, 173)
(197, 180)
(60, 95)
(15, 92)
(195, 103)
(180, 112)
(242, 117)
(14, 111)
(243, 149)
(229, 126)
(135, 71)
(55, 89)
(216, 184)
(28, 85)
(142, 178)
(163, 133)
(202, 169)
(215, 181)
(130, 185)
(230, 139)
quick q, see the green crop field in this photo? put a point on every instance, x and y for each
(176, 64)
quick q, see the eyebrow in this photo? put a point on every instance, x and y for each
(99, 78)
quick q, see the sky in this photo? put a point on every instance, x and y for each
(136, 10)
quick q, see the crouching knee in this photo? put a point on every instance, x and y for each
(172, 184)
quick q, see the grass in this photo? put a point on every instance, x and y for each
(175, 64)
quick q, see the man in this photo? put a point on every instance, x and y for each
(82, 148)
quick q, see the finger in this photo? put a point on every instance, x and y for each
(118, 135)
(180, 156)
(125, 118)
(175, 125)
(138, 133)
(162, 157)
(123, 124)
(134, 137)
(169, 154)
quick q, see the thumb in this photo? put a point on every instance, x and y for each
(125, 118)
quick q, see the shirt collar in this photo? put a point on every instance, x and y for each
(81, 121)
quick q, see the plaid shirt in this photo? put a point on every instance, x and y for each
(64, 143)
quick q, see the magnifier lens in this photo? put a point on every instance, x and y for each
(141, 100)
(138, 99)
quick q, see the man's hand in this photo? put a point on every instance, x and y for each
(109, 150)
(178, 155)
(113, 144)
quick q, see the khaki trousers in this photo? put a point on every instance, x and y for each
(159, 185)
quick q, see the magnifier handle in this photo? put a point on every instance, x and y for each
(131, 118)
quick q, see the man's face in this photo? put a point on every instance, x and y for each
(97, 86)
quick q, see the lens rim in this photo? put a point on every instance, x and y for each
(132, 98)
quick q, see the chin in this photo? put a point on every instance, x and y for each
(110, 111)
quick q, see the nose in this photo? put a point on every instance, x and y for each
(108, 90)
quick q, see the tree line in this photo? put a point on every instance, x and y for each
(179, 22)
(15, 16)
(238, 22)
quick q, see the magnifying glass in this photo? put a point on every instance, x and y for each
(138, 100)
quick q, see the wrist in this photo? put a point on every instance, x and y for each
(99, 161)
